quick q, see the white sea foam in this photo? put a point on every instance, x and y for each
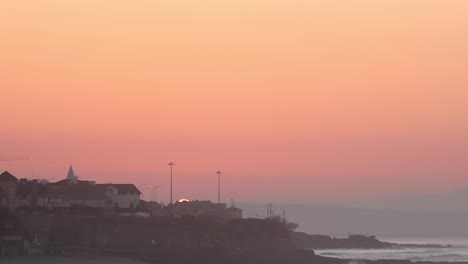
(457, 253)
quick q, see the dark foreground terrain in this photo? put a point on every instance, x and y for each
(180, 240)
(90, 256)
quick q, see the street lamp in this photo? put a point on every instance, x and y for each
(141, 190)
(219, 186)
(171, 164)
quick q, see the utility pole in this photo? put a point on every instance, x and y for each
(219, 186)
(171, 164)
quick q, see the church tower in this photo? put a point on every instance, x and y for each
(71, 174)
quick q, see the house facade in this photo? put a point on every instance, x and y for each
(121, 195)
(69, 193)
(66, 193)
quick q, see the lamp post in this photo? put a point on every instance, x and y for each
(219, 186)
(171, 164)
(141, 190)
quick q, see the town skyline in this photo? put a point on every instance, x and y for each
(297, 101)
(211, 194)
(143, 187)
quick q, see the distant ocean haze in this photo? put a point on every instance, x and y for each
(343, 221)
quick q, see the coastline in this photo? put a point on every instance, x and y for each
(299, 256)
(161, 240)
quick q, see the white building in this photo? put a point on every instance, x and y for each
(121, 195)
(72, 192)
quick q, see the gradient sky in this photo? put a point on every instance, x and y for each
(296, 101)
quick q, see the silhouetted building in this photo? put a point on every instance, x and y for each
(72, 192)
(155, 208)
(68, 193)
(197, 208)
(71, 174)
(8, 190)
(233, 213)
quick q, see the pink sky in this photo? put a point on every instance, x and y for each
(296, 101)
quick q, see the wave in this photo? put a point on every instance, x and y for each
(442, 255)
(332, 254)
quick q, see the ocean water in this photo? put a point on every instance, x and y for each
(457, 253)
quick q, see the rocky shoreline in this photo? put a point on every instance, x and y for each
(306, 241)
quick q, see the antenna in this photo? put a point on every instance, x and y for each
(270, 213)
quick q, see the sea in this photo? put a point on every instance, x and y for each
(458, 252)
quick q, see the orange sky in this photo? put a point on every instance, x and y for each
(297, 101)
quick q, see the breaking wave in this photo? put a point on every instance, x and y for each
(412, 254)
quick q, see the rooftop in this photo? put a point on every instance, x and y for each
(6, 176)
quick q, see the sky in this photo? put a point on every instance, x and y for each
(295, 101)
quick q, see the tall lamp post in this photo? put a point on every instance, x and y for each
(219, 186)
(140, 188)
(171, 165)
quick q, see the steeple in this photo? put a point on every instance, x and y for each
(71, 174)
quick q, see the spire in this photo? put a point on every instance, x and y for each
(71, 174)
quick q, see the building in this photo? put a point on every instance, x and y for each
(121, 195)
(155, 208)
(204, 208)
(8, 190)
(27, 192)
(197, 208)
(73, 193)
(71, 174)
(233, 213)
